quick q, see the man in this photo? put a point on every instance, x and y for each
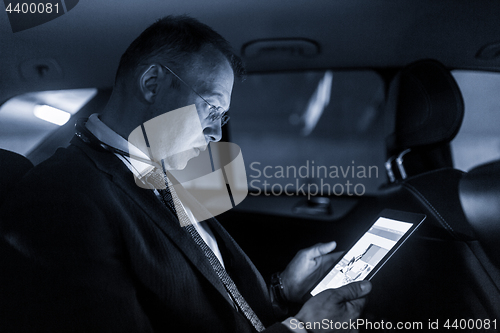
(84, 248)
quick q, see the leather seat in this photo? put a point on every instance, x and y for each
(437, 273)
(12, 167)
(428, 109)
(480, 197)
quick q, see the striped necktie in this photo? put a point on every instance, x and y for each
(171, 200)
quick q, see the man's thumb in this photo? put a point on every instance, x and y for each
(353, 291)
(321, 249)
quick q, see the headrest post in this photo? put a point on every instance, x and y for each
(388, 169)
(399, 162)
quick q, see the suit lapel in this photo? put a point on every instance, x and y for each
(151, 206)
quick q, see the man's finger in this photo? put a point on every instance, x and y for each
(320, 249)
(331, 257)
(352, 291)
(327, 261)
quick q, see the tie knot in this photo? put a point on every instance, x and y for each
(155, 179)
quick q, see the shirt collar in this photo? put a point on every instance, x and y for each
(106, 135)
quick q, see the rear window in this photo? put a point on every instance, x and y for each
(318, 132)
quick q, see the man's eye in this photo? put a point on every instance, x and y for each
(216, 113)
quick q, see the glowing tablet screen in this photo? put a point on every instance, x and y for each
(364, 256)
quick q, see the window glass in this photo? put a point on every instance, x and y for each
(25, 120)
(318, 131)
(478, 140)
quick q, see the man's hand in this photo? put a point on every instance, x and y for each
(336, 305)
(306, 268)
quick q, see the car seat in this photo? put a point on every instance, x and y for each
(436, 275)
(12, 167)
(479, 191)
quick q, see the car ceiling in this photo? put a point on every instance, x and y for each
(82, 48)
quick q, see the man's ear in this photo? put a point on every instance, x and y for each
(149, 81)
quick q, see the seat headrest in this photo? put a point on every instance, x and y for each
(428, 106)
(480, 199)
(12, 168)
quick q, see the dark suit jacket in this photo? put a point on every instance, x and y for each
(85, 249)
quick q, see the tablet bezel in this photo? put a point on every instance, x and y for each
(415, 218)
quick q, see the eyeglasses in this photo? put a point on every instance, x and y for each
(215, 112)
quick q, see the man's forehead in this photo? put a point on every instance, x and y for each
(211, 71)
(209, 61)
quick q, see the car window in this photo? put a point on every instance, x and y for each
(25, 120)
(478, 140)
(312, 131)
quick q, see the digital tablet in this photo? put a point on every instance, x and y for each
(388, 232)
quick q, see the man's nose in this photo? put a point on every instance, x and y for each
(213, 132)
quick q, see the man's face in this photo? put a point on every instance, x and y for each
(178, 134)
(212, 77)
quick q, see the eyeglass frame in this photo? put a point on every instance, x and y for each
(214, 113)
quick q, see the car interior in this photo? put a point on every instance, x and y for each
(347, 108)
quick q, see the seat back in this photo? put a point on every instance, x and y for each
(480, 198)
(439, 273)
(12, 168)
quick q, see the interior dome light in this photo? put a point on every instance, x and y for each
(51, 114)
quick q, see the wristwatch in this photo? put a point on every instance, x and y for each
(277, 288)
